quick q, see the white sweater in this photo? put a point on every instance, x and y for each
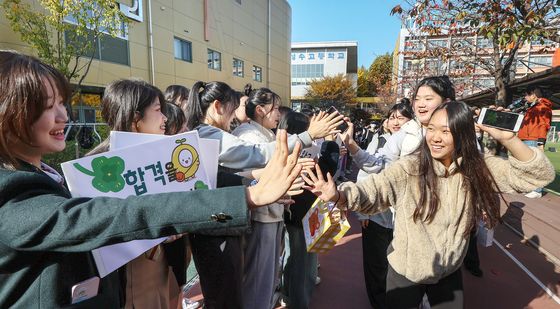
(239, 154)
(255, 133)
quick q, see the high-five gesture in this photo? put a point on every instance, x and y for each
(323, 124)
(278, 175)
(325, 190)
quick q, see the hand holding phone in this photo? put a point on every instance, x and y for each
(501, 120)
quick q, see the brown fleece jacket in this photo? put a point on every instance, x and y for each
(427, 252)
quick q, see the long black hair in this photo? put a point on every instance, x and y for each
(202, 95)
(294, 122)
(175, 119)
(478, 182)
(177, 95)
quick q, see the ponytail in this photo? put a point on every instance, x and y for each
(261, 96)
(193, 111)
(202, 95)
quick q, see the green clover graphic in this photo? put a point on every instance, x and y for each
(107, 173)
(199, 185)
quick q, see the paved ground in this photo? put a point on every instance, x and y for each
(504, 284)
(521, 269)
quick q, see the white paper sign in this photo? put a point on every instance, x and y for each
(209, 149)
(163, 165)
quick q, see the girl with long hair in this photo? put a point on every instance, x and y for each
(46, 236)
(263, 245)
(439, 195)
(377, 230)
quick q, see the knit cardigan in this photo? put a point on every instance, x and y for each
(427, 252)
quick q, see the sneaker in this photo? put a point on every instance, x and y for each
(534, 194)
(317, 280)
(189, 304)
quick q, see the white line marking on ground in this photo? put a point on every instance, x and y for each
(529, 273)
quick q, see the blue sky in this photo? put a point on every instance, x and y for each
(366, 21)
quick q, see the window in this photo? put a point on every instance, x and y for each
(340, 55)
(413, 45)
(542, 42)
(483, 43)
(413, 65)
(106, 47)
(440, 43)
(307, 70)
(214, 60)
(540, 61)
(257, 73)
(484, 83)
(183, 50)
(237, 67)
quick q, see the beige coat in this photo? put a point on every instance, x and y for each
(426, 252)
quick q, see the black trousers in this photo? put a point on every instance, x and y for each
(220, 270)
(375, 241)
(471, 260)
(403, 293)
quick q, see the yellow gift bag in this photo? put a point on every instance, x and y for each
(320, 230)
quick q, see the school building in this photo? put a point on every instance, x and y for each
(315, 60)
(181, 42)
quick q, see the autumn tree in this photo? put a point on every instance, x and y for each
(366, 88)
(334, 91)
(507, 25)
(64, 33)
(381, 70)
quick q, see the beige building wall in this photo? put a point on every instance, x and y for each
(246, 31)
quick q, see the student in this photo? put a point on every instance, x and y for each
(377, 230)
(211, 109)
(131, 105)
(178, 95)
(300, 271)
(263, 244)
(46, 235)
(439, 195)
(430, 93)
(176, 121)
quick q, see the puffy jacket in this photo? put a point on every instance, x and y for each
(536, 121)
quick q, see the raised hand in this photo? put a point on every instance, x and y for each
(325, 190)
(501, 136)
(278, 175)
(323, 124)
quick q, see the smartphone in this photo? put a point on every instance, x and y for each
(344, 126)
(502, 120)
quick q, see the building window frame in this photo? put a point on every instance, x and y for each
(181, 54)
(238, 67)
(257, 73)
(214, 60)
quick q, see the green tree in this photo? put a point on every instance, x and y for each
(507, 24)
(334, 91)
(64, 33)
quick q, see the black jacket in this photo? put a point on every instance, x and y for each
(328, 162)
